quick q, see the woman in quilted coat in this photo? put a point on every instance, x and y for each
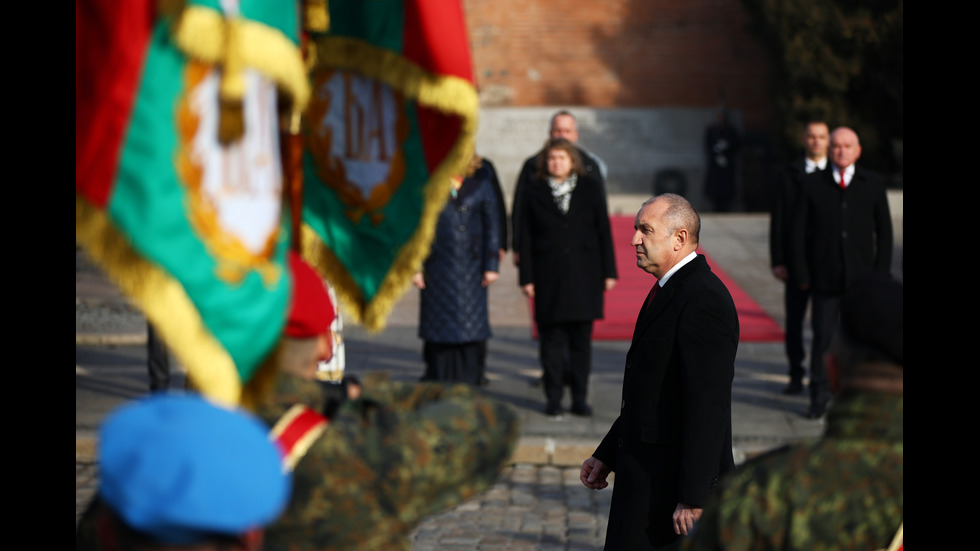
(453, 319)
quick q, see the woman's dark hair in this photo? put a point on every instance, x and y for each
(567, 147)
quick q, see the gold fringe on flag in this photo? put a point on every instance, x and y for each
(210, 369)
(446, 93)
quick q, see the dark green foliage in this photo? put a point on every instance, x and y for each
(839, 61)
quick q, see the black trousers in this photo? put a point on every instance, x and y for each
(825, 318)
(157, 360)
(795, 301)
(453, 362)
(566, 356)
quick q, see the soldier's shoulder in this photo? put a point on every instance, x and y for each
(775, 463)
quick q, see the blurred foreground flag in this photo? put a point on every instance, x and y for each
(178, 184)
(392, 118)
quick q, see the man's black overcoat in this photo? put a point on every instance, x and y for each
(673, 437)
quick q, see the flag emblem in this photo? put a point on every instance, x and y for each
(357, 129)
(234, 191)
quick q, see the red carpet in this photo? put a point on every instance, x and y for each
(622, 304)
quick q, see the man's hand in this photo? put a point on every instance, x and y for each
(594, 473)
(684, 518)
(780, 272)
(418, 280)
(489, 277)
(528, 290)
(610, 283)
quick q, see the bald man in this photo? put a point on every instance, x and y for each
(672, 440)
(842, 232)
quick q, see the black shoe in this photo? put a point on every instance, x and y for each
(552, 410)
(794, 387)
(582, 410)
(816, 412)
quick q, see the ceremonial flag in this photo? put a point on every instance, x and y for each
(392, 118)
(178, 184)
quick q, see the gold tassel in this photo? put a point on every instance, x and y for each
(231, 125)
(316, 16)
(236, 44)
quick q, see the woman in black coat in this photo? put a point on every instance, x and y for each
(464, 260)
(566, 264)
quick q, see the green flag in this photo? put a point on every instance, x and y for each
(178, 190)
(392, 119)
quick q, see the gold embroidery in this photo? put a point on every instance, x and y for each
(234, 259)
(363, 127)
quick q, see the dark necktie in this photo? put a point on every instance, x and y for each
(653, 293)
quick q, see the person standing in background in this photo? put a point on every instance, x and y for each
(721, 146)
(567, 263)
(789, 185)
(454, 320)
(842, 230)
(563, 125)
(157, 360)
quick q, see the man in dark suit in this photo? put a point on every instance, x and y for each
(673, 437)
(842, 231)
(789, 184)
(562, 126)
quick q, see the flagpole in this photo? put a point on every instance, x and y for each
(291, 147)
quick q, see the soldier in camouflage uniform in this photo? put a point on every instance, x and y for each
(386, 458)
(846, 490)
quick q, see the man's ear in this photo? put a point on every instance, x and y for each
(680, 239)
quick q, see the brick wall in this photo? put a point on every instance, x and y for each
(644, 77)
(617, 53)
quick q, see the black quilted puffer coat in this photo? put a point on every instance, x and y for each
(453, 306)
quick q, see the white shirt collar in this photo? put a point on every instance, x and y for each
(811, 166)
(678, 266)
(848, 175)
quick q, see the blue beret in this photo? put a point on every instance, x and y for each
(179, 468)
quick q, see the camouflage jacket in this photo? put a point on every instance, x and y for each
(398, 453)
(844, 491)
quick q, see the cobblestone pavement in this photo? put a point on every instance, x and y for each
(531, 507)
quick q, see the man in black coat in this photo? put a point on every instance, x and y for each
(673, 437)
(842, 230)
(789, 185)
